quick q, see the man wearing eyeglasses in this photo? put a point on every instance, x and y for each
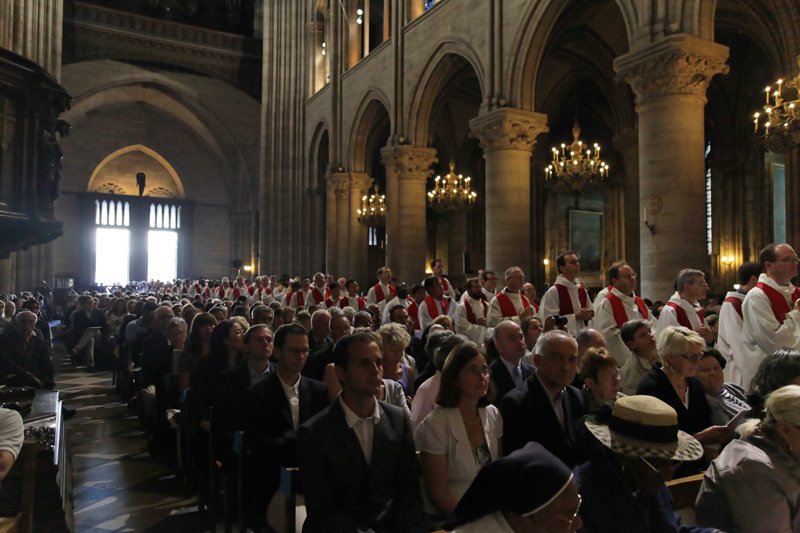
(276, 406)
(771, 310)
(683, 308)
(619, 306)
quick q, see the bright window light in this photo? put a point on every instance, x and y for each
(162, 255)
(112, 250)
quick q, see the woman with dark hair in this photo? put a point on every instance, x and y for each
(775, 371)
(600, 378)
(726, 400)
(462, 433)
(197, 346)
(226, 346)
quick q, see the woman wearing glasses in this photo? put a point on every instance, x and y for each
(462, 433)
(675, 384)
(754, 485)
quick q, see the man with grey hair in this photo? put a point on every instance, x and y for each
(320, 330)
(510, 303)
(545, 408)
(683, 308)
(24, 355)
(508, 371)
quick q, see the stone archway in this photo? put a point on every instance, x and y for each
(117, 173)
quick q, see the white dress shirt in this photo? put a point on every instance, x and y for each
(292, 393)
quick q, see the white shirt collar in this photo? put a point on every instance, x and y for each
(352, 419)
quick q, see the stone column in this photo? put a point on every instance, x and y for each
(508, 137)
(669, 79)
(407, 169)
(627, 144)
(338, 223)
(357, 252)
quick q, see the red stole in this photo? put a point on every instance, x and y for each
(445, 285)
(360, 302)
(777, 301)
(221, 292)
(301, 300)
(507, 306)
(379, 295)
(471, 314)
(683, 318)
(737, 304)
(565, 302)
(251, 290)
(413, 312)
(433, 309)
(236, 293)
(618, 308)
(317, 294)
(329, 303)
(327, 292)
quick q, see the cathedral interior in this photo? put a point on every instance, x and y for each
(164, 139)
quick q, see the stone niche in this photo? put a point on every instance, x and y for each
(30, 153)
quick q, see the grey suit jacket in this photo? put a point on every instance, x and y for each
(343, 493)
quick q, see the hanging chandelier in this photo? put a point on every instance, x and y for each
(781, 117)
(373, 208)
(576, 168)
(452, 192)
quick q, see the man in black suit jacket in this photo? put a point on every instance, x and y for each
(318, 360)
(357, 457)
(232, 384)
(510, 344)
(546, 407)
(274, 409)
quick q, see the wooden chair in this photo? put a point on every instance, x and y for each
(684, 491)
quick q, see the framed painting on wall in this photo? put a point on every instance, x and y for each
(586, 238)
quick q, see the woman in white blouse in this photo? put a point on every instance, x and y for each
(462, 433)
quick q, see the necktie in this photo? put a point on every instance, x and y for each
(517, 375)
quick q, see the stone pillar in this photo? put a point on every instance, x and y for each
(669, 79)
(407, 169)
(340, 234)
(508, 137)
(627, 144)
(331, 234)
(359, 184)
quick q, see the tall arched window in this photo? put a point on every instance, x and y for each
(112, 242)
(162, 242)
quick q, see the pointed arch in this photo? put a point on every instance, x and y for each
(97, 181)
(373, 111)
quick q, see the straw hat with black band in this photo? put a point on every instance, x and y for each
(644, 426)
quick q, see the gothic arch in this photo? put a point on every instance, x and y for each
(318, 139)
(99, 183)
(371, 113)
(175, 98)
(443, 64)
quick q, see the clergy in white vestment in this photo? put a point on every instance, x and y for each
(619, 306)
(383, 291)
(510, 303)
(436, 303)
(683, 308)
(568, 297)
(730, 336)
(771, 309)
(471, 317)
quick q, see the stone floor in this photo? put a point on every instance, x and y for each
(117, 485)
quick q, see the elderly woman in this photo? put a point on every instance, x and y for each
(600, 378)
(754, 485)
(462, 433)
(394, 340)
(675, 384)
(726, 400)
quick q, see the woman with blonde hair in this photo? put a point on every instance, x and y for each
(675, 384)
(754, 484)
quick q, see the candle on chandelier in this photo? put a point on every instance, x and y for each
(766, 94)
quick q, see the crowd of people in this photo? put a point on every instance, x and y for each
(414, 408)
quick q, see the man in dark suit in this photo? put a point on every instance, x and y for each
(357, 456)
(232, 384)
(508, 371)
(274, 408)
(317, 361)
(546, 407)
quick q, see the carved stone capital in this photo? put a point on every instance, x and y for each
(678, 65)
(360, 182)
(508, 129)
(409, 161)
(339, 182)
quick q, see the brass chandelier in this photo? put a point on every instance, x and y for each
(576, 168)
(452, 192)
(373, 208)
(780, 121)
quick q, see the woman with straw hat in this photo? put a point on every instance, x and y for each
(622, 484)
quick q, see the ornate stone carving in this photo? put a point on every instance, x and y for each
(340, 182)
(508, 129)
(678, 65)
(408, 161)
